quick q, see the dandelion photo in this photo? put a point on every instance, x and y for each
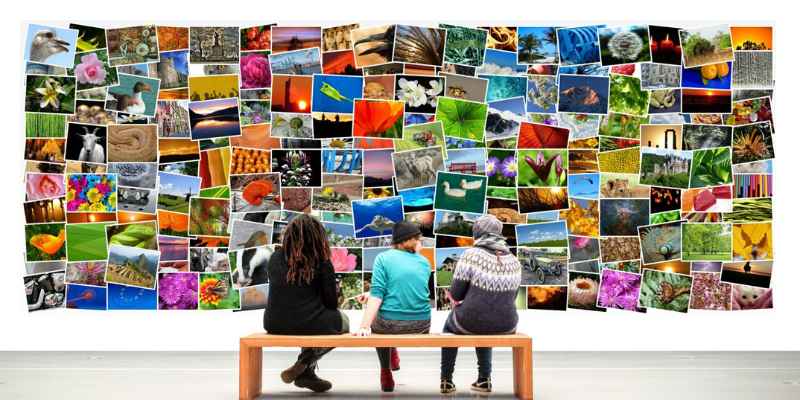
(624, 44)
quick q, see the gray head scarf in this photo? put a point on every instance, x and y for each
(487, 234)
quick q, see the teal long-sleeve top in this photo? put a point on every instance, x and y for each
(404, 282)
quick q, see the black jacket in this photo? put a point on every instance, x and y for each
(299, 308)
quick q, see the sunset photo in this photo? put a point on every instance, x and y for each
(214, 118)
(291, 93)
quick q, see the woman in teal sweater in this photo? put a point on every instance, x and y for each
(399, 298)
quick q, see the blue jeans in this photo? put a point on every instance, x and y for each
(396, 327)
(449, 355)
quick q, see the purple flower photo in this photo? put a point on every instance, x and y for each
(619, 289)
(177, 291)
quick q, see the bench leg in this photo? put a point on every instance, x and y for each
(523, 372)
(249, 372)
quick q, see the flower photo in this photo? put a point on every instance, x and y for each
(92, 70)
(619, 290)
(50, 94)
(92, 192)
(255, 71)
(177, 291)
(419, 93)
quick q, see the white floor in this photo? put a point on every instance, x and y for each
(557, 376)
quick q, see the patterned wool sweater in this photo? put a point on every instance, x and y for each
(488, 289)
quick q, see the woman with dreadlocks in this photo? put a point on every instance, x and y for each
(302, 297)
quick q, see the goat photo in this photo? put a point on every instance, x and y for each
(86, 143)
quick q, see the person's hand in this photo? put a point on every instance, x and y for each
(450, 298)
(363, 298)
(363, 331)
(418, 246)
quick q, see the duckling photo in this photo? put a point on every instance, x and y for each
(460, 192)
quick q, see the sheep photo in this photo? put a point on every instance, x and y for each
(415, 168)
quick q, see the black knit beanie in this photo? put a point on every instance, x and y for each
(403, 231)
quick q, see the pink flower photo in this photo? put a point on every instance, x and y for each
(255, 71)
(92, 70)
(44, 186)
(343, 260)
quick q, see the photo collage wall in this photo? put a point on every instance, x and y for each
(631, 165)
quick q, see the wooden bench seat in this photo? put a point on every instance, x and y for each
(250, 353)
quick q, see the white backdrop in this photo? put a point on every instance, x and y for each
(572, 330)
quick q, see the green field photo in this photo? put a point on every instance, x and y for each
(173, 203)
(86, 242)
(706, 242)
(444, 277)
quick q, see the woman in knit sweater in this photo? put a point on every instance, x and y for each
(483, 290)
(302, 296)
(399, 298)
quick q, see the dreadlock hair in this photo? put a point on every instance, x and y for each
(305, 244)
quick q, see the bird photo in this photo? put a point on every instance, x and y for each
(134, 95)
(51, 46)
(460, 192)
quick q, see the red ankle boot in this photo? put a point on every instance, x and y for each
(387, 382)
(394, 359)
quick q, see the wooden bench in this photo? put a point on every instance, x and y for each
(250, 353)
